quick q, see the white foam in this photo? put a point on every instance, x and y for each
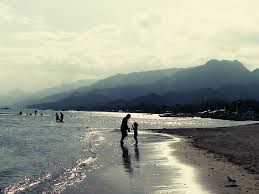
(72, 176)
(90, 137)
(25, 184)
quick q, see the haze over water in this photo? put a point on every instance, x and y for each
(39, 155)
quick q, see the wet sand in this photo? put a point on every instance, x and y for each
(220, 152)
(150, 167)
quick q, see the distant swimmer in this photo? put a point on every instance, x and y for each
(41, 114)
(61, 117)
(20, 113)
(30, 114)
(57, 118)
(35, 112)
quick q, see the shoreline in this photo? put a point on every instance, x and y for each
(217, 153)
(150, 167)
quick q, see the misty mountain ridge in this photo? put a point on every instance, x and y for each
(256, 74)
(211, 75)
(12, 97)
(119, 80)
(19, 97)
(224, 80)
(195, 97)
(135, 78)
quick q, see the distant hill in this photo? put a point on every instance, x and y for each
(20, 98)
(256, 74)
(213, 74)
(12, 97)
(224, 80)
(134, 79)
(75, 90)
(195, 97)
(116, 86)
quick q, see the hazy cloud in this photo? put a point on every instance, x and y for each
(148, 20)
(122, 37)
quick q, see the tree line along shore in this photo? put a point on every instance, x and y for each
(239, 110)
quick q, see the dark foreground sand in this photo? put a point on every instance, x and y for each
(220, 152)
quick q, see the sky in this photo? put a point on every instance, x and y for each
(44, 43)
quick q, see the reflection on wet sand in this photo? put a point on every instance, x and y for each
(188, 177)
(151, 167)
(136, 153)
(126, 158)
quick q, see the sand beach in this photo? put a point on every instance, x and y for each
(219, 153)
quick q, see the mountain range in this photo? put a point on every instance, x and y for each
(215, 80)
(21, 98)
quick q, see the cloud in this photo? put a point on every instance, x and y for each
(8, 16)
(148, 20)
(150, 35)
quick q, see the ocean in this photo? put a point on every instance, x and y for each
(38, 155)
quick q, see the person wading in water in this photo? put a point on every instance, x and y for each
(57, 118)
(124, 128)
(61, 117)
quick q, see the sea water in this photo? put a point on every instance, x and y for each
(39, 155)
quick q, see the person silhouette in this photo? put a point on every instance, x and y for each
(57, 118)
(61, 117)
(124, 128)
(135, 129)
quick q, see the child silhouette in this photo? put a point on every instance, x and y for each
(135, 128)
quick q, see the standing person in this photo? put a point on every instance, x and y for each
(61, 117)
(57, 118)
(135, 128)
(124, 128)
(35, 112)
